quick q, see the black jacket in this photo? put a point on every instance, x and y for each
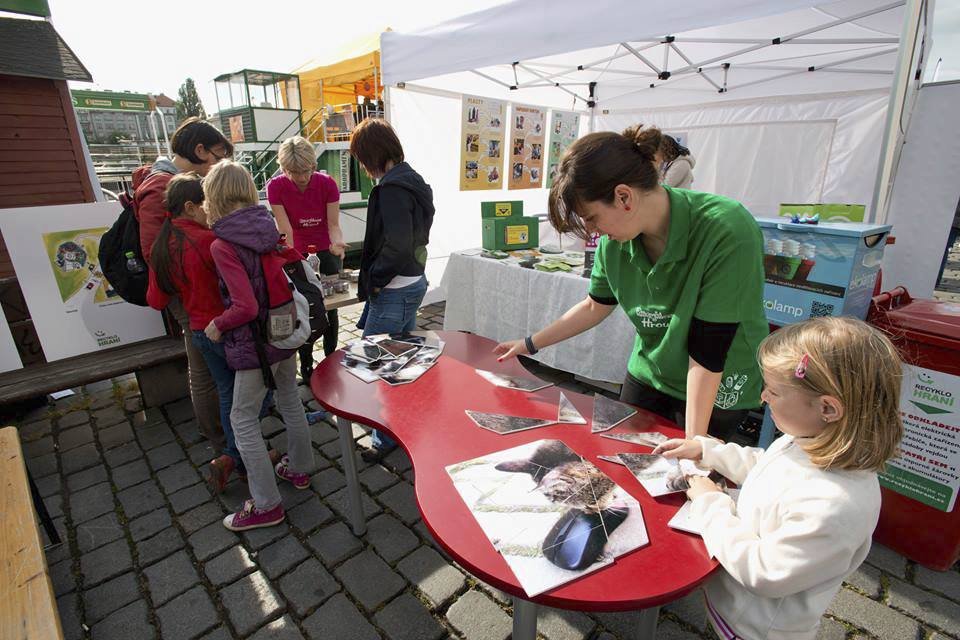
(399, 215)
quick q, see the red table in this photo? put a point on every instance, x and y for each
(427, 419)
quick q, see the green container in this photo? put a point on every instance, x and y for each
(508, 234)
(501, 209)
(829, 212)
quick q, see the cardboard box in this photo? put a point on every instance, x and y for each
(507, 234)
(501, 209)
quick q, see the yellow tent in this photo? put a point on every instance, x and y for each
(355, 73)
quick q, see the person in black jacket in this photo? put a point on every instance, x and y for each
(399, 215)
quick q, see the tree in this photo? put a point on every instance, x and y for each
(189, 103)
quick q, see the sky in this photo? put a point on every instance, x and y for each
(154, 48)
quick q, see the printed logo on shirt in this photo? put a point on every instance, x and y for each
(729, 392)
(652, 319)
(305, 223)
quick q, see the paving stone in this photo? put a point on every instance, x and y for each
(122, 454)
(334, 543)
(250, 601)
(257, 539)
(91, 502)
(220, 633)
(271, 426)
(129, 622)
(170, 577)
(98, 532)
(187, 615)
(159, 546)
(179, 476)
(61, 551)
(130, 474)
(369, 579)
(887, 559)
(666, 630)
(391, 538)
(691, 609)
(432, 575)
(339, 618)
(831, 630)
(109, 415)
(70, 617)
(397, 460)
(865, 579)
(61, 575)
(86, 478)
(49, 486)
(309, 515)
(283, 629)
(328, 481)
(375, 478)
(929, 607)
(149, 524)
(101, 399)
(401, 500)
(42, 465)
(54, 505)
(479, 618)
(79, 458)
(321, 433)
(201, 516)
(188, 498)
(146, 418)
(35, 430)
(406, 619)
(101, 601)
(338, 502)
(872, 616)
(189, 432)
(165, 455)
(559, 624)
(140, 499)
(73, 419)
(115, 435)
(179, 411)
(38, 447)
(292, 496)
(211, 540)
(105, 562)
(307, 586)
(233, 563)
(946, 582)
(200, 453)
(280, 556)
(73, 438)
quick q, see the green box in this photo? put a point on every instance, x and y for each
(507, 234)
(501, 209)
(829, 212)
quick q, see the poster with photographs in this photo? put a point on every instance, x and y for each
(396, 359)
(660, 475)
(564, 129)
(481, 143)
(526, 141)
(550, 513)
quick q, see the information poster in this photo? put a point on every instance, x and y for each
(564, 129)
(928, 467)
(55, 255)
(481, 143)
(526, 147)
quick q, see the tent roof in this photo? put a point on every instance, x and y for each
(746, 48)
(350, 63)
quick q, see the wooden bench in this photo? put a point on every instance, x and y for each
(28, 608)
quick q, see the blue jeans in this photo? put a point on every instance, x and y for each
(393, 311)
(216, 358)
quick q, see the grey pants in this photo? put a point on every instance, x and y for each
(203, 390)
(248, 394)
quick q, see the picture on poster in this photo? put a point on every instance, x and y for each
(660, 475)
(645, 438)
(9, 356)
(608, 413)
(564, 130)
(567, 413)
(551, 514)
(503, 424)
(527, 135)
(74, 309)
(513, 382)
(482, 138)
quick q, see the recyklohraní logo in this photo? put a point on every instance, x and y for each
(930, 398)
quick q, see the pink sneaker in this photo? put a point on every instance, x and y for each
(298, 480)
(249, 517)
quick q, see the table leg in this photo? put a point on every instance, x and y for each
(347, 450)
(524, 619)
(647, 626)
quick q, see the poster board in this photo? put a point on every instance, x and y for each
(9, 356)
(564, 129)
(481, 143)
(73, 308)
(526, 147)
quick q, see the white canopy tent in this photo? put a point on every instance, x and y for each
(780, 100)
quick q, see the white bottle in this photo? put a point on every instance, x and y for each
(312, 258)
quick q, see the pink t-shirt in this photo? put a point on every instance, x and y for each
(307, 211)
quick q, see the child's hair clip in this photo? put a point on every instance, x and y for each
(801, 371)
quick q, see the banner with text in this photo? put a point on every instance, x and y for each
(526, 146)
(481, 143)
(564, 129)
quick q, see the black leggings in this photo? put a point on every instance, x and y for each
(329, 265)
(723, 422)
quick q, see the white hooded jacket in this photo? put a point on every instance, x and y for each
(679, 173)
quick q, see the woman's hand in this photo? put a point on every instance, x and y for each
(700, 485)
(212, 332)
(680, 448)
(510, 349)
(338, 249)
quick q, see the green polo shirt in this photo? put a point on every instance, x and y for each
(712, 269)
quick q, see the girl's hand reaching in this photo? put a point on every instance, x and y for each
(507, 350)
(700, 485)
(681, 449)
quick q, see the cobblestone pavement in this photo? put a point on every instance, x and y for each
(146, 556)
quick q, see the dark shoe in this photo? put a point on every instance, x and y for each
(305, 375)
(219, 472)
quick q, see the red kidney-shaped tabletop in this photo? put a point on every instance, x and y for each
(427, 418)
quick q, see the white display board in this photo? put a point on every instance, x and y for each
(9, 356)
(74, 310)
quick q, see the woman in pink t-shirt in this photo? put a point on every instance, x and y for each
(306, 204)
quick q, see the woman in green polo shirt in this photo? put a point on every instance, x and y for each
(685, 266)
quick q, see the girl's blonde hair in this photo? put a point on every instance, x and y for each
(226, 188)
(297, 155)
(853, 362)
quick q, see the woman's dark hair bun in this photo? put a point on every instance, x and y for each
(645, 140)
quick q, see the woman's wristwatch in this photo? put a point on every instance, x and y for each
(528, 343)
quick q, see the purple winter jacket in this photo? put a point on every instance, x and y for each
(251, 231)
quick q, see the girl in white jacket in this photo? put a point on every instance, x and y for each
(808, 505)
